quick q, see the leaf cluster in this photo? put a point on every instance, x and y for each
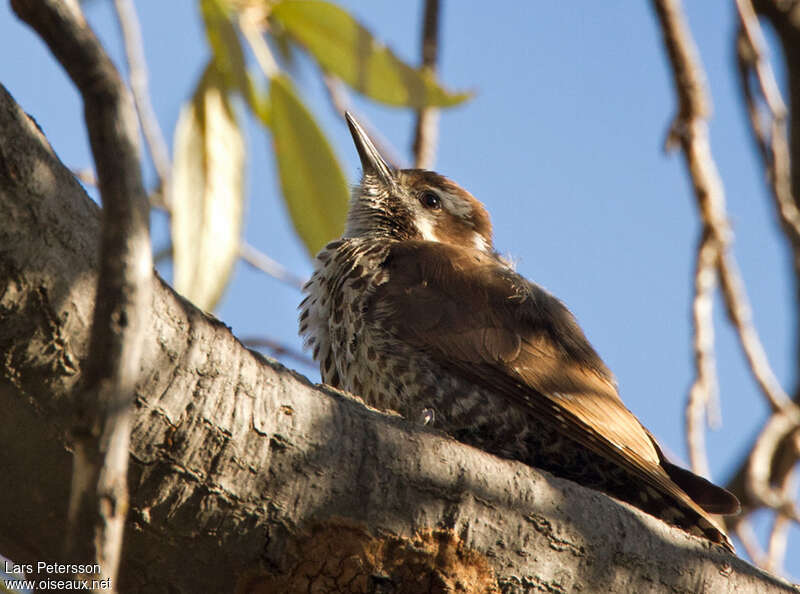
(206, 195)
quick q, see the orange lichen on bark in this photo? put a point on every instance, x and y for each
(340, 556)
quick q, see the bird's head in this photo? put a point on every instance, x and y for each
(412, 203)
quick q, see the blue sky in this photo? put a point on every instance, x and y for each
(563, 142)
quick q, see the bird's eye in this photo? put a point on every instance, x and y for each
(431, 200)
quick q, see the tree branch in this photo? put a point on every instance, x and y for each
(690, 131)
(704, 387)
(137, 73)
(340, 101)
(425, 130)
(278, 350)
(243, 474)
(261, 261)
(774, 147)
(101, 430)
(781, 160)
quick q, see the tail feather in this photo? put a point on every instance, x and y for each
(706, 494)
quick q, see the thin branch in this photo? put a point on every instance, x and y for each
(278, 350)
(780, 426)
(426, 128)
(739, 313)
(744, 530)
(137, 73)
(704, 386)
(779, 535)
(341, 103)
(752, 60)
(255, 258)
(249, 20)
(690, 130)
(259, 260)
(776, 549)
(766, 78)
(99, 497)
(86, 175)
(162, 254)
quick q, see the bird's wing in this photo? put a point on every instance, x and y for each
(475, 315)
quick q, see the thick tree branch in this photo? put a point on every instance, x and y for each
(99, 498)
(241, 472)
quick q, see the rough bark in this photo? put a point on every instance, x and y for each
(244, 475)
(102, 418)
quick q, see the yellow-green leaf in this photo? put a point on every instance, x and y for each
(348, 50)
(227, 52)
(207, 193)
(259, 101)
(314, 187)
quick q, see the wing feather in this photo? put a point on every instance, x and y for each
(478, 317)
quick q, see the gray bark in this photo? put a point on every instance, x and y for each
(245, 475)
(102, 417)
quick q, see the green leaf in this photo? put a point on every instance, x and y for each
(314, 187)
(224, 41)
(227, 52)
(259, 101)
(346, 49)
(207, 192)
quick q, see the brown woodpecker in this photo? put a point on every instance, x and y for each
(413, 310)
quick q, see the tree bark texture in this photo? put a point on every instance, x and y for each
(244, 476)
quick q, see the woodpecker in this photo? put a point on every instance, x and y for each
(413, 310)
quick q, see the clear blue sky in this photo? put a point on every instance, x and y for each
(562, 142)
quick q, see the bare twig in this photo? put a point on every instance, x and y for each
(99, 497)
(278, 350)
(249, 21)
(705, 384)
(426, 129)
(258, 259)
(768, 121)
(780, 426)
(162, 254)
(774, 148)
(690, 130)
(776, 550)
(739, 313)
(341, 103)
(255, 258)
(137, 73)
(766, 79)
(775, 153)
(744, 530)
(770, 463)
(86, 176)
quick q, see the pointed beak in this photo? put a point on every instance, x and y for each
(371, 160)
